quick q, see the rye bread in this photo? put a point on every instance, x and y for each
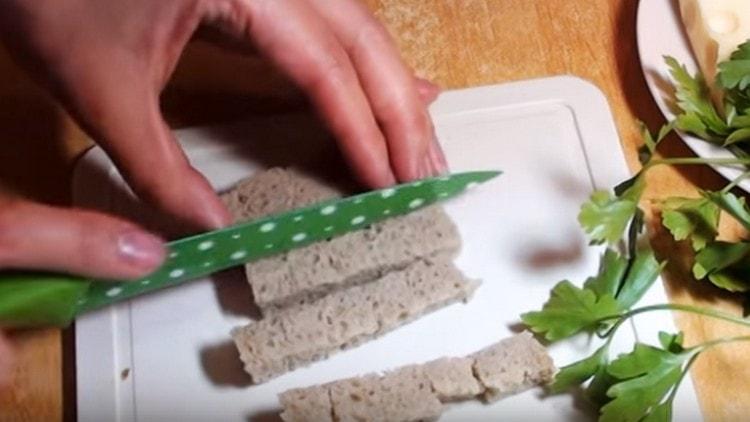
(398, 396)
(511, 366)
(419, 392)
(320, 268)
(312, 330)
(312, 404)
(453, 379)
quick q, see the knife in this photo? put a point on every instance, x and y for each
(39, 299)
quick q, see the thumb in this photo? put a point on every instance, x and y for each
(76, 242)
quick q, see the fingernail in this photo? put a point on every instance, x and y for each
(141, 249)
(428, 85)
(428, 91)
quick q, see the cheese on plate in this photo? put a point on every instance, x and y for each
(715, 29)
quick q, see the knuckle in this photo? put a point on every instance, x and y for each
(330, 70)
(404, 119)
(371, 34)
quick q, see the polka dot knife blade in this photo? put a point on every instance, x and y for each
(197, 256)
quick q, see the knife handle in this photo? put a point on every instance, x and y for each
(31, 299)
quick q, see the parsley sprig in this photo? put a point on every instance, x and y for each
(641, 384)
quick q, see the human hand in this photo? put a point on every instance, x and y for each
(71, 241)
(108, 62)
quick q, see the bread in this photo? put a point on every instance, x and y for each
(312, 330)
(313, 404)
(419, 392)
(400, 395)
(503, 369)
(453, 378)
(348, 260)
(276, 190)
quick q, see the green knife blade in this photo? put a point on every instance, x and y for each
(49, 299)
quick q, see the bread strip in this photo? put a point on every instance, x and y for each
(453, 378)
(357, 257)
(397, 396)
(311, 331)
(302, 405)
(511, 366)
(418, 392)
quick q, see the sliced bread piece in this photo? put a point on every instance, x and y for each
(453, 378)
(419, 392)
(322, 267)
(402, 395)
(312, 404)
(513, 365)
(276, 190)
(312, 330)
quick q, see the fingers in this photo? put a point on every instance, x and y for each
(7, 361)
(75, 241)
(118, 105)
(428, 91)
(393, 93)
(298, 41)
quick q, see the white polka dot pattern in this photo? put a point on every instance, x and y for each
(200, 255)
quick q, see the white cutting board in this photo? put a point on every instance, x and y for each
(169, 357)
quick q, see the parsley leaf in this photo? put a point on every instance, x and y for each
(740, 135)
(643, 272)
(647, 375)
(612, 269)
(660, 413)
(734, 206)
(693, 98)
(672, 342)
(570, 310)
(696, 219)
(605, 216)
(727, 265)
(579, 372)
(650, 143)
(735, 72)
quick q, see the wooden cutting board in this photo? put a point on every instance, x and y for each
(457, 43)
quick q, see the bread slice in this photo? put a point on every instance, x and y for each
(313, 404)
(453, 378)
(402, 395)
(419, 392)
(511, 366)
(276, 190)
(351, 259)
(312, 330)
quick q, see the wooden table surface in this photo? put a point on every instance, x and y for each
(456, 43)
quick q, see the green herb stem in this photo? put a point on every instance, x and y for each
(697, 161)
(680, 308)
(697, 350)
(735, 182)
(713, 343)
(685, 371)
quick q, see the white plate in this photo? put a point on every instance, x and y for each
(555, 141)
(661, 33)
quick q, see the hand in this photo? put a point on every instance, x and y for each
(71, 241)
(108, 62)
